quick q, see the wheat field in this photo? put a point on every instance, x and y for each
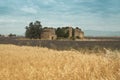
(36, 63)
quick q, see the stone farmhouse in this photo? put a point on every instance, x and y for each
(49, 33)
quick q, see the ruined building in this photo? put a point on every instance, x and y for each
(69, 29)
(48, 34)
(76, 33)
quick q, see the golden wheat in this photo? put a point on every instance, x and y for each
(34, 63)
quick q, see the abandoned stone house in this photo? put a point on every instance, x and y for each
(76, 33)
(49, 33)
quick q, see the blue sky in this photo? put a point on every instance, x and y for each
(101, 15)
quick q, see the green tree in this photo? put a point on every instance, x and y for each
(12, 35)
(62, 32)
(66, 34)
(33, 31)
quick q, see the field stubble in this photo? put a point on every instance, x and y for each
(36, 63)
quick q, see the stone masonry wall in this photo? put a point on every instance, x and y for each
(48, 34)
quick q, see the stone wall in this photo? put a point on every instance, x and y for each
(70, 31)
(48, 34)
(78, 33)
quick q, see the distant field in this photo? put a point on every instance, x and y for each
(37, 63)
(94, 43)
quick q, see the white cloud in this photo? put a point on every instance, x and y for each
(47, 2)
(84, 0)
(30, 10)
(10, 21)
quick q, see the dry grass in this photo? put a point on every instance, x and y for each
(33, 63)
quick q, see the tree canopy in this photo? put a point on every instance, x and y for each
(33, 31)
(62, 32)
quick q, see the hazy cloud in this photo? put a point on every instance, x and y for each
(30, 10)
(47, 2)
(88, 14)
